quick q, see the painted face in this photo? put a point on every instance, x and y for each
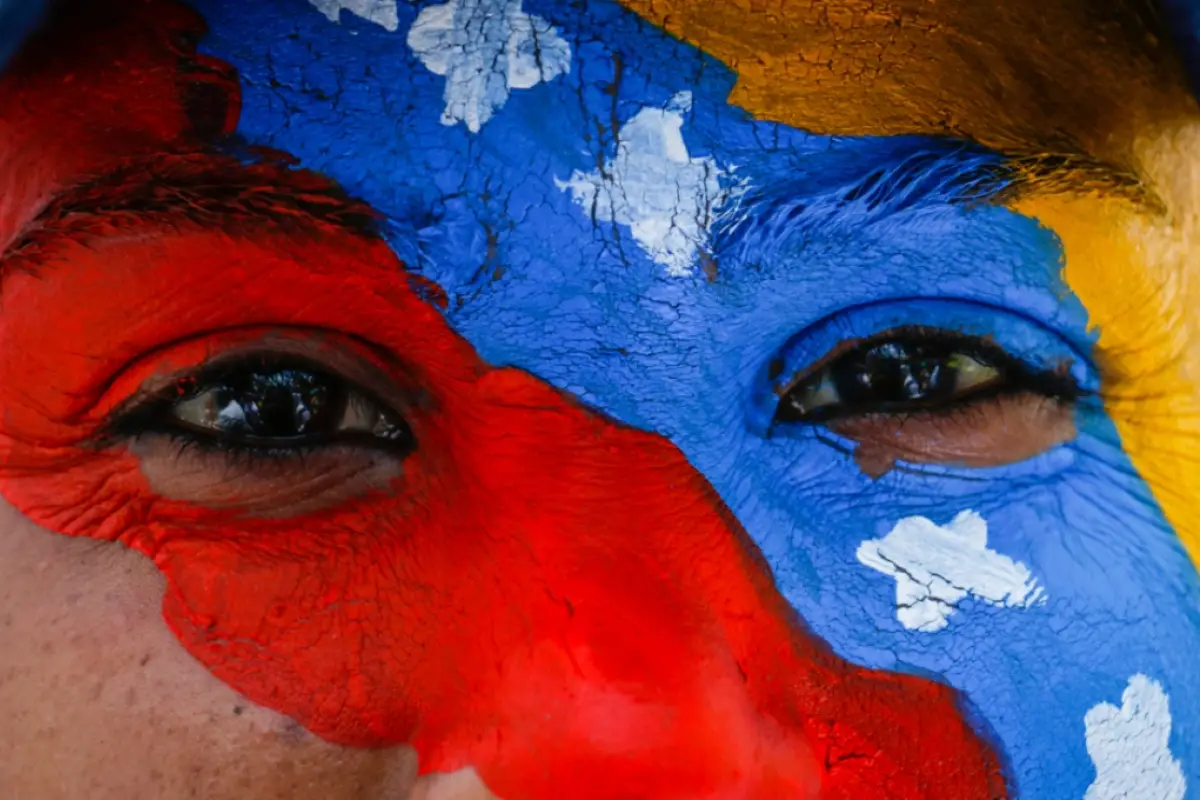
(676, 399)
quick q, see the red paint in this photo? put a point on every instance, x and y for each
(552, 598)
(134, 84)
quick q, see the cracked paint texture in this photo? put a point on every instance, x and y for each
(936, 567)
(485, 49)
(535, 279)
(1129, 745)
(381, 12)
(653, 187)
(582, 228)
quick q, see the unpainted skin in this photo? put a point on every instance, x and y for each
(100, 701)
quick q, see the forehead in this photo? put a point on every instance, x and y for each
(618, 212)
(530, 157)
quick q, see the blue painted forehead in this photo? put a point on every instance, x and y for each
(588, 138)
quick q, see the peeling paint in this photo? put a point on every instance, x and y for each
(485, 49)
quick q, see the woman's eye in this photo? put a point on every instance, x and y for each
(269, 405)
(901, 374)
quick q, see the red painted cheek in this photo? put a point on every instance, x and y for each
(554, 599)
(544, 595)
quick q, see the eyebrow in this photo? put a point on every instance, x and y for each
(203, 187)
(910, 176)
(1087, 75)
(1074, 174)
(199, 187)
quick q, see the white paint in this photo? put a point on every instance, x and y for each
(936, 566)
(1129, 746)
(381, 12)
(485, 49)
(653, 186)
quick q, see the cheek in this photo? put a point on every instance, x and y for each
(592, 604)
(99, 699)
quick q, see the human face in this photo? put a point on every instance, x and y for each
(694, 433)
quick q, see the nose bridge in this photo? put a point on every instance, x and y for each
(676, 666)
(618, 673)
(607, 510)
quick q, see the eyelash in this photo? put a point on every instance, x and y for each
(144, 415)
(237, 454)
(1049, 384)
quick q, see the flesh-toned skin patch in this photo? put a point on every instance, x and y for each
(1130, 266)
(545, 248)
(265, 488)
(89, 671)
(1119, 97)
(832, 238)
(989, 433)
(245, 598)
(1087, 74)
(582, 620)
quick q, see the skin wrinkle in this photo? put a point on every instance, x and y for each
(1120, 262)
(278, 608)
(325, 479)
(1129, 104)
(606, 492)
(111, 48)
(990, 433)
(105, 601)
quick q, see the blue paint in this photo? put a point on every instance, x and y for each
(1183, 20)
(18, 18)
(1021, 336)
(833, 237)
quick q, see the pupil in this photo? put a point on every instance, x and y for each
(896, 372)
(279, 404)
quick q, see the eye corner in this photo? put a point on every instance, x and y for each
(1024, 379)
(309, 393)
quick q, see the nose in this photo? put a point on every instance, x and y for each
(564, 605)
(553, 600)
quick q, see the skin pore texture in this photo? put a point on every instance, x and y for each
(575, 248)
(1118, 96)
(155, 723)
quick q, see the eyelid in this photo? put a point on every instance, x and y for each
(1019, 339)
(146, 385)
(360, 414)
(999, 375)
(973, 347)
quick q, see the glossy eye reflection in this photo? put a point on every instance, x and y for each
(260, 403)
(908, 371)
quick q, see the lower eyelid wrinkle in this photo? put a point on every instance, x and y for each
(990, 433)
(291, 486)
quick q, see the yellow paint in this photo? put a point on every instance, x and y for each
(1071, 77)
(1022, 76)
(1138, 275)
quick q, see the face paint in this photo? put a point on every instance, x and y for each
(286, 609)
(614, 228)
(1095, 74)
(581, 617)
(179, 95)
(808, 243)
